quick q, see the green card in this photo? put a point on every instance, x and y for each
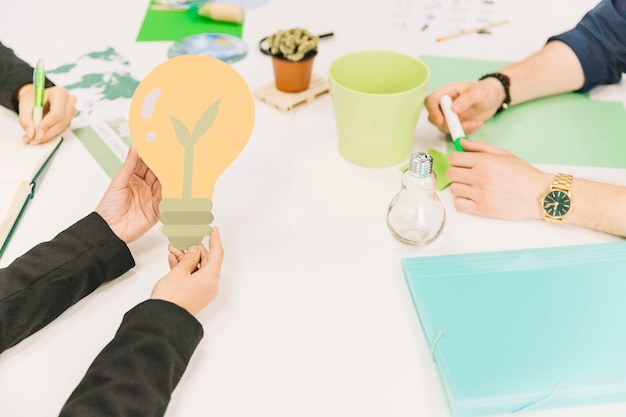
(440, 166)
(173, 25)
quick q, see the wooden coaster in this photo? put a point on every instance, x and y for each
(286, 102)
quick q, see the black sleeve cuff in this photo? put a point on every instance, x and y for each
(14, 74)
(136, 373)
(172, 322)
(15, 104)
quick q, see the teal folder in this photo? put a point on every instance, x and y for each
(517, 330)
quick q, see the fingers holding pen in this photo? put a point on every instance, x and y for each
(26, 97)
(432, 101)
(59, 107)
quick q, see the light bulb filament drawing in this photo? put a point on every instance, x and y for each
(188, 140)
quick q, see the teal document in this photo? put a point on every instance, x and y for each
(566, 129)
(512, 331)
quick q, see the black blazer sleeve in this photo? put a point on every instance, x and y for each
(41, 284)
(135, 374)
(14, 73)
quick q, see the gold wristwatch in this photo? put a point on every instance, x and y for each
(557, 202)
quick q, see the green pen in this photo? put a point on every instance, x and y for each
(454, 124)
(39, 81)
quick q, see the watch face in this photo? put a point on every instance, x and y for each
(556, 203)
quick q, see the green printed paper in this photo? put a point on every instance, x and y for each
(107, 141)
(103, 83)
(173, 25)
(567, 129)
(100, 79)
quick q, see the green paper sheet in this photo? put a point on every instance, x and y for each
(444, 70)
(440, 166)
(160, 25)
(567, 129)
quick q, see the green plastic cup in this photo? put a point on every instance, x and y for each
(377, 98)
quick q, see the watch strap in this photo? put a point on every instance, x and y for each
(562, 182)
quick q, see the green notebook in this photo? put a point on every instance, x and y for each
(20, 167)
(528, 329)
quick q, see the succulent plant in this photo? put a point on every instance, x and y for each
(292, 44)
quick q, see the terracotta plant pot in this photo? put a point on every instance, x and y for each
(293, 77)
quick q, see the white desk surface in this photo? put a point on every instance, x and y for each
(313, 318)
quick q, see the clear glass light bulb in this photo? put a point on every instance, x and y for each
(416, 215)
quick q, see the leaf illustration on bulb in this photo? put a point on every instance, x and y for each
(188, 140)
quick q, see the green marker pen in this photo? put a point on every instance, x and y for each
(454, 124)
(39, 81)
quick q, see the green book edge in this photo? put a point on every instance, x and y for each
(33, 185)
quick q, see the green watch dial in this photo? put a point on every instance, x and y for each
(556, 203)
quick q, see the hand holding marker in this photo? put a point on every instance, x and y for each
(454, 124)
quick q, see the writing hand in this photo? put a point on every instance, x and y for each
(492, 182)
(59, 109)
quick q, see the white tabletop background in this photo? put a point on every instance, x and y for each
(313, 317)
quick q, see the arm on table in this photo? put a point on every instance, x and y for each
(136, 373)
(491, 182)
(41, 284)
(552, 70)
(592, 53)
(38, 286)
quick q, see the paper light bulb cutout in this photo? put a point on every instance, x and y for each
(189, 119)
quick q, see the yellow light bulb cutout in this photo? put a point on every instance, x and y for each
(189, 119)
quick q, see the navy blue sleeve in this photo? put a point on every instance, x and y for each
(599, 42)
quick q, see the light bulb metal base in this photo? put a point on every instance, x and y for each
(186, 221)
(421, 164)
